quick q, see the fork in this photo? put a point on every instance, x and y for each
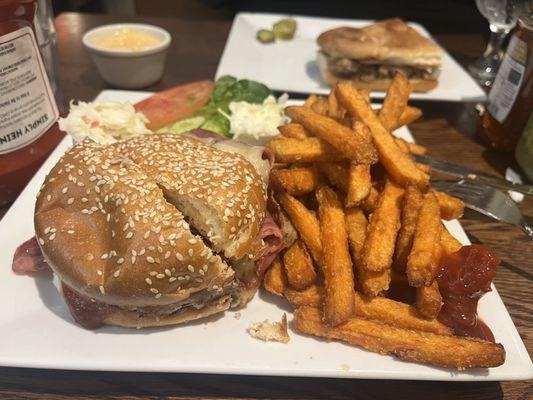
(487, 201)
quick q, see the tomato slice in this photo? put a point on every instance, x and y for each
(173, 104)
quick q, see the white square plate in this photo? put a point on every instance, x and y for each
(37, 331)
(290, 65)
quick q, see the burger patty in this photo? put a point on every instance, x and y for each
(348, 68)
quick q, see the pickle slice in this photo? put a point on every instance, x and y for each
(265, 36)
(284, 29)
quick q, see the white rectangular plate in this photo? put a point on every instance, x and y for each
(290, 65)
(37, 331)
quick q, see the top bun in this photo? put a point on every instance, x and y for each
(116, 222)
(390, 41)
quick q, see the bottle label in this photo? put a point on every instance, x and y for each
(508, 80)
(27, 105)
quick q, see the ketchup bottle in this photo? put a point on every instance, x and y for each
(28, 101)
(511, 97)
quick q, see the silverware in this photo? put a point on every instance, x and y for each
(487, 201)
(474, 175)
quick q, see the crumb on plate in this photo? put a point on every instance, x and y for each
(270, 332)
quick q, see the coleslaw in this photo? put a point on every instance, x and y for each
(104, 123)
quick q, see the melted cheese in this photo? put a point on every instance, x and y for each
(254, 154)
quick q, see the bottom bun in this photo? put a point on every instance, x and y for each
(92, 314)
(132, 319)
(417, 84)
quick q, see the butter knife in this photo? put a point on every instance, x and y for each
(473, 175)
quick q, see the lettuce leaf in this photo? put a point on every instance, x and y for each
(227, 89)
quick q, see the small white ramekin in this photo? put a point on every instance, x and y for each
(128, 69)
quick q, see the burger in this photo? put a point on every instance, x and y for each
(157, 229)
(370, 56)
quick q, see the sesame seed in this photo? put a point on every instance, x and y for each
(47, 230)
(52, 236)
(104, 256)
(48, 197)
(116, 273)
(146, 234)
(167, 272)
(191, 252)
(150, 259)
(179, 256)
(70, 231)
(190, 268)
(41, 241)
(160, 276)
(70, 200)
(172, 279)
(102, 289)
(90, 257)
(120, 260)
(64, 190)
(154, 290)
(148, 281)
(98, 272)
(129, 235)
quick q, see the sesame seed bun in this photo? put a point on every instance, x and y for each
(151, 225)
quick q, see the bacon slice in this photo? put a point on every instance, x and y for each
(271, 233)
(29, 259)
(88, 313)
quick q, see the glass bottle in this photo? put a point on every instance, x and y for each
(511, 98)
(524, 149)
(29, 92)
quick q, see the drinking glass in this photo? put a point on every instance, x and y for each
(502, 16)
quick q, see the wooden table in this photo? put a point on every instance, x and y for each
(447, 129)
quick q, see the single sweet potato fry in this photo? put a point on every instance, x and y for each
(412, 202)
(383, 230)
(407, 344)
(311, 149)
(336, 263)
(450, 207)
(298, 266)
(395, 102)
(423, 260)
(305, 223)
(429, 300)
(295, 181)
(359, 184)
(294, 131)
(275, 281)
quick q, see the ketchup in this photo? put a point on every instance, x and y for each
(463, 278)
(28, 109)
